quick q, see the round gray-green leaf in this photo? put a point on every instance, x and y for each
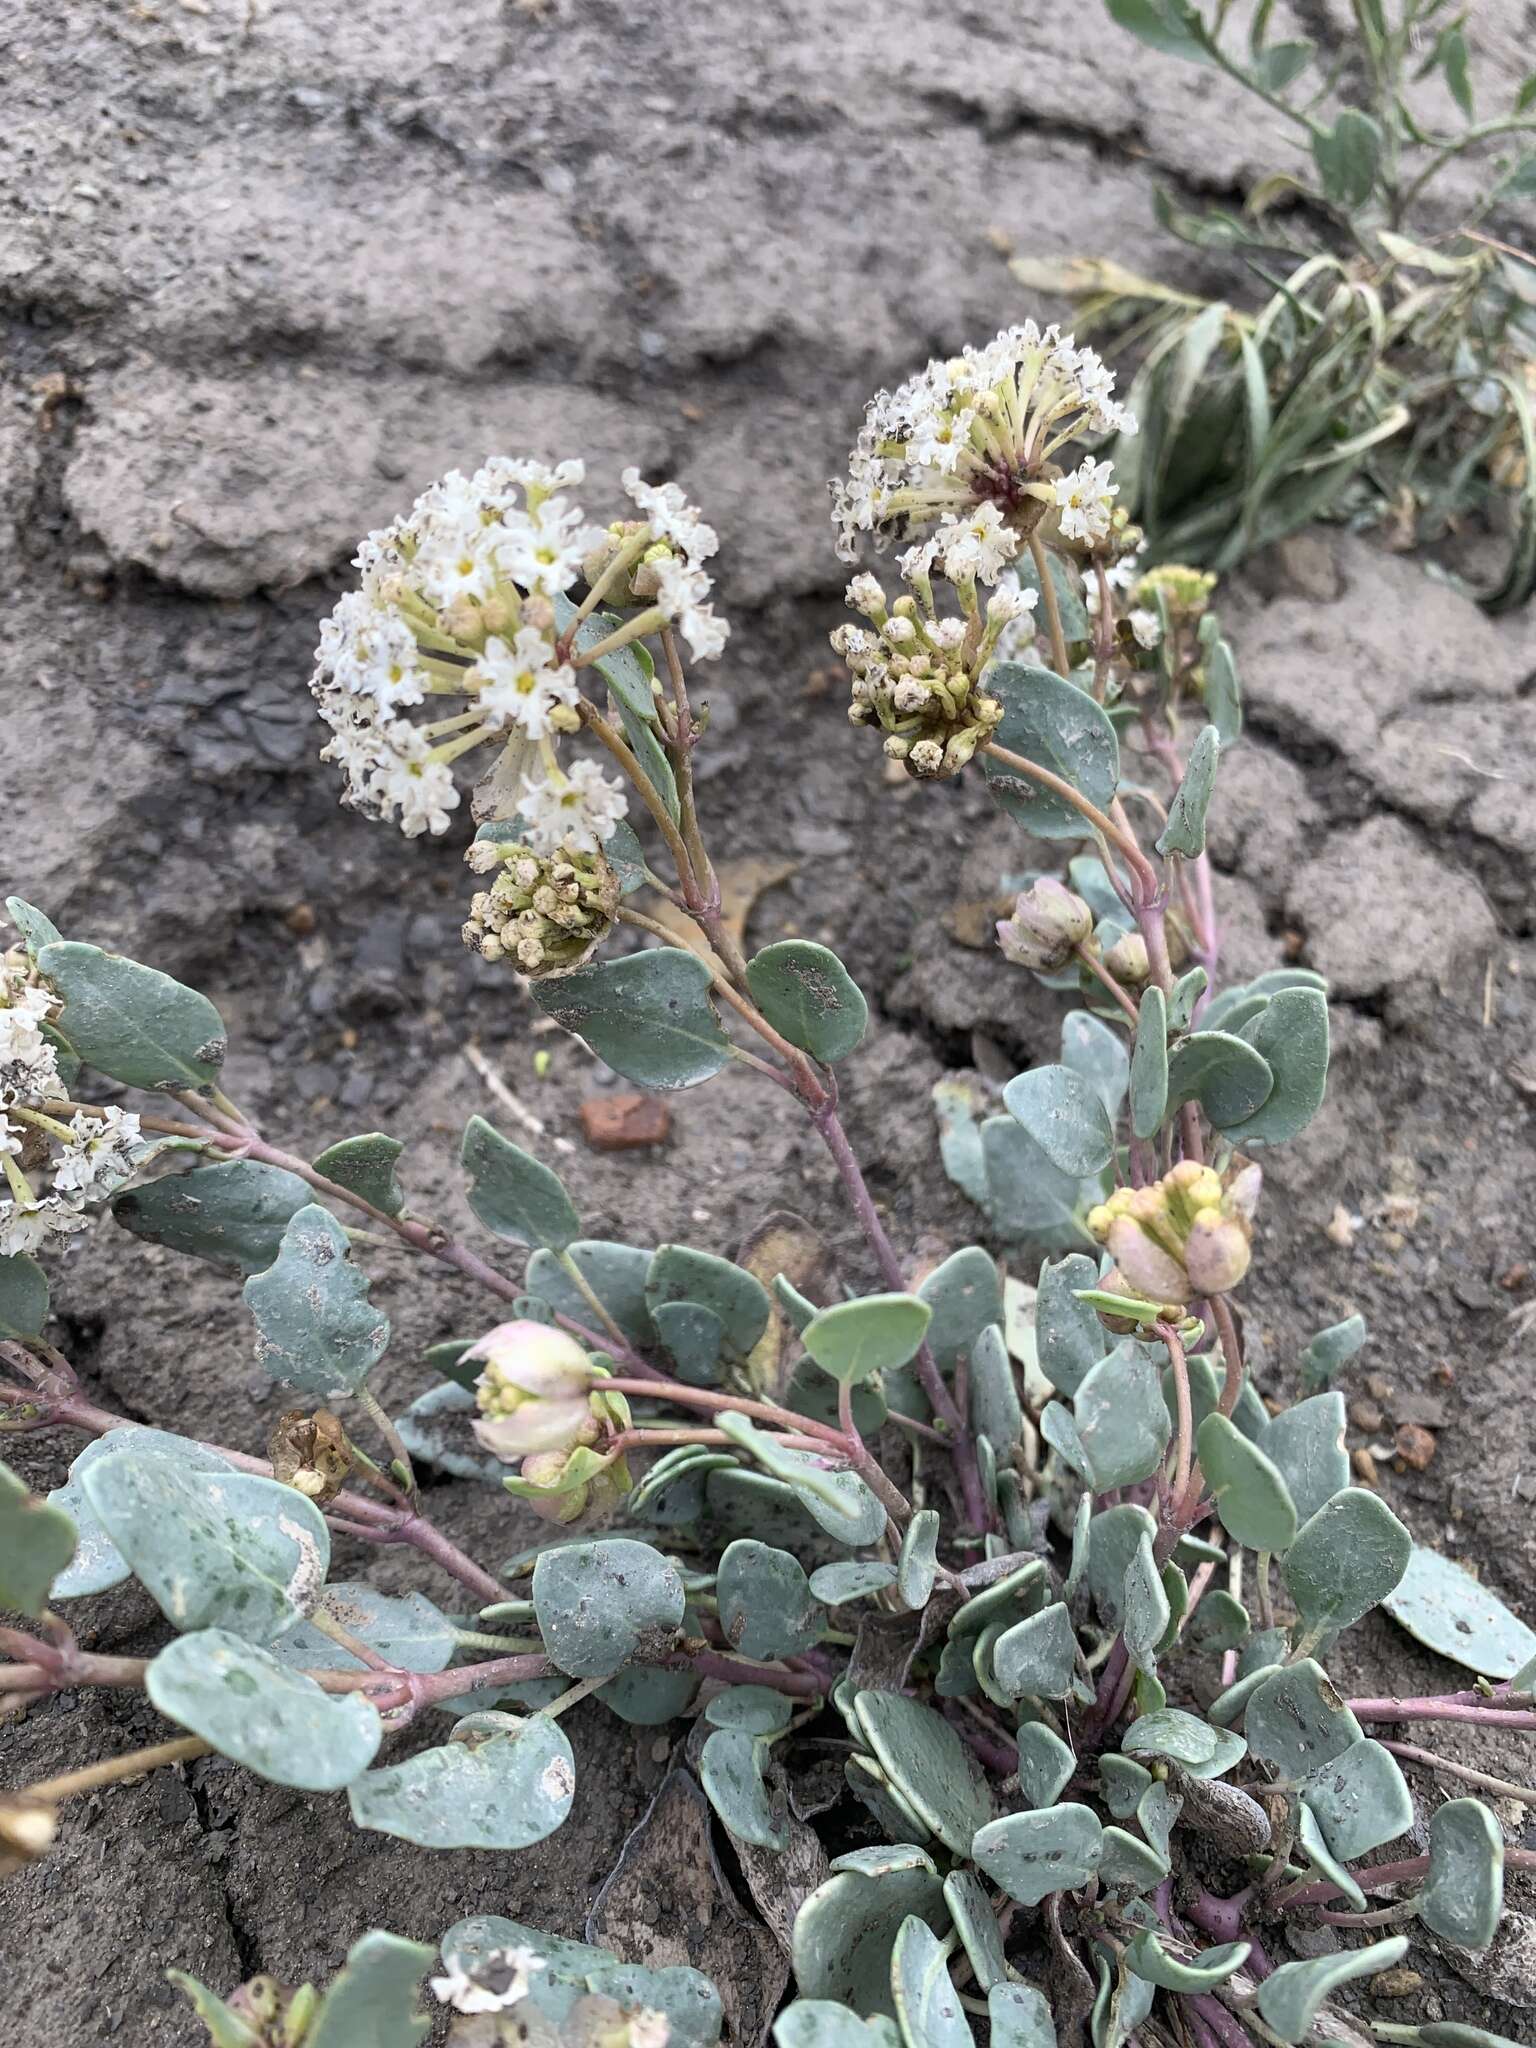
(731, 1772)
(617, 1275)
(1149, 1064)
(1020, 2016)
(37, 1541)
(365, 1165)
(684, 1997)
(36, 930)
(1097, 1052)
(928, 2008)
(837, 1501)
(875, 1334)
(232, 1214)
(1173, 1733)
(1291, 1996)
(837, 1584)
(1146, 1955)
(1036, 1658)
(259, 1712)
(1057, 726)
(1463, 1894)
(1223, 1073)
(1122, 1419)
(1148, 1613)
(1252, 1498)
(131, 1022)
(1297, 1721)
(1069, 1337)
(928, 1763)
(497, 1783)
(976, 1925)
(1031, 1855)
(1065, 1117)
(648, 1015)
(767, 1608)
(809, 997)
(845, 1930)
(598, 1603)
(404, 1628)
(1360, 1799)
(23, 1297)
(756, 1708)
(1347, 1558)
(1440, 1604)
(678, 1273)
(98, 1563)
(1306, 1445)
(372, 2000)
(1291, 1033)
(515, 1195)
(315, 1326)
(1046, 1764)
(213, 1549)
(821, 2023)
(918, 1565)
(966, 1297)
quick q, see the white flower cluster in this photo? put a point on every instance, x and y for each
(87, 1158)
(466, 597)
(980, 428)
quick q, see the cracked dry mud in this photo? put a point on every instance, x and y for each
(266, 269)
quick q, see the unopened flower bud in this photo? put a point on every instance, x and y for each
(1127, 960)
(1217, 1254)
(562, 1486)
(535, 1392)
(1047, 925)
(1180, 1237)
(1149, 1270)
(926, 757)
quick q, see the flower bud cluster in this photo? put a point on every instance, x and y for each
(917, 675)
(51, 1171)
(541, 1400)
(1048, 924)
(1185, 1236)
(545, 913)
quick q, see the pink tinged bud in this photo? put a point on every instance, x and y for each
(1146, 1268)
(547, 1427)
(532, 1359)
(547, 1469)
(1048, 922)
(1217, 1253)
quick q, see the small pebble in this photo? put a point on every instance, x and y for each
(1398, 1983)
(1366, 1415)
(1365, 1467)
(1416, 1446)
(624, 1123)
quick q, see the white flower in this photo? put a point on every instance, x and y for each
(523, 682)
(29, 1070)
(1085, 499)
(1010, 602)
(1146, 627)
(27, 1224)
(682, 593)
(976, 547)
(11, 1136)
(670, 515)
(543, 550)
(456, 561)
(579, 809)
(102, 1154)
(500, 1980)
(865, 595)
(410, 781)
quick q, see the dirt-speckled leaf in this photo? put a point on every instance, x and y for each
(1440, 1604)
(767, 1608)
(23, 1297)
(876, 1333)
(213, 1549)
(498, 1783)
(1360, 1799)
(315, 1326)
(928, 2008)
(262, 1714)
(1147, 1610)
(837, 1501)
(1113, 1536)
(1096, 1052)
(598, 1603)
(1346, 156)
(917, 1567)
(1064, 1116)
(819, 2023)
(1123, 1782)
(1223, 1073)
(1291, 1996)
(1297, 1721)
(1131, 1863)
(131, 1022)
(731, 1772)
(232, 1214)
(1059, 727)
(36, 930)
(616, 1273)
(1305, 1443)
(1291, 1033)
(1348, 1557)
(808, 995)
(365, 1165)
(37, 1541)
(98, 1563)
(1464, 1892)
(1046, 1764)
(1251, 1496)
(1172, 1733)
(966, 1297)
(680, 1274)
(756, 1708)
(845, 1931)
(372, 2000)
(1036, 1658)
(1069, 1337)
(1121, 1417)
(928, 1763)
(1020, 2017)
(1032, 1855)
(404, 1628)
(1149, 1065)
(648, 1015)
(1184, 832)
(515, 1195)
(1029, 1199)
(1218, 1623)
